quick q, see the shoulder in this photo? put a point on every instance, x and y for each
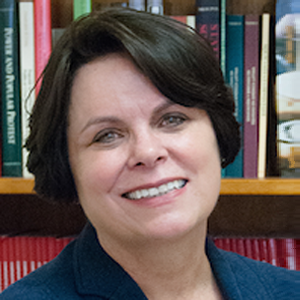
(242, 278)
(45, 282)
(261, 277)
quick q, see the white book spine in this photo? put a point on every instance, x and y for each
(264, 94)
(27, 72)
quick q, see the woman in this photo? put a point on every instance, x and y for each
(134, 121)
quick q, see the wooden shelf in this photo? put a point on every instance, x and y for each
(16, 186)
(268, 186)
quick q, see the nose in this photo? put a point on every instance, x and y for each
(147, 150)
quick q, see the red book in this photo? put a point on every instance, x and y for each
(240, 246)
(219, 243)
(226, 244)
(189, 20)
(255, 249)
(286, 253)
(251, 94)
(297, 251)
(42, 38)
(272, 250)
(290, 248)
(263, 248)
(248, 248)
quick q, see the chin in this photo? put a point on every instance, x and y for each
(175, 229)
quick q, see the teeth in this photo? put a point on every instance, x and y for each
(154, 192)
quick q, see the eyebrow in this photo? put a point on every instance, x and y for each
(98, 120)
(113, 119)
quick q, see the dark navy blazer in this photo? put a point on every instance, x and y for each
(83, 270)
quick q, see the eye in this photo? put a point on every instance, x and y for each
(173, 120)
(107, 136)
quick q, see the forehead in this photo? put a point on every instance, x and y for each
(112, 84)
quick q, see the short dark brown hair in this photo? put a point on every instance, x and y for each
(177, 60)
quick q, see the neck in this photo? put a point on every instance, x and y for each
(166, 269)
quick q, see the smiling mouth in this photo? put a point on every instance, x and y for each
(156, 191)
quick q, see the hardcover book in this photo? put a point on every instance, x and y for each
(208, 22)
(42, 38)
(264, 95)
(251, 95)
(10, 89)
(223, 36)
(81, 7)
(235, 78)
(287, 32)
(27, 72)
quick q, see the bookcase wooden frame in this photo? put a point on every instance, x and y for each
(247, 207)
(268, 186)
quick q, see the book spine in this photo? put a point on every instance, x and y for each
(272, 251)
(81, 7)
(191, 21)
(264, 95)
(255, 249)
(287, 45)
(137, 4)
(9, 66)
(42, 38)
(248, 248)
(235, 78)
(223, 16)
(251, 94)
(27, 72)
(223, 36)
(155, 7)
(208, 22)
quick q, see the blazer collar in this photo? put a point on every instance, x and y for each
(96, 273)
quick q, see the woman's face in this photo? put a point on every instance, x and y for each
(143, 166)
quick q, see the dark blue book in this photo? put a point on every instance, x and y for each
(208, 22)
(10, 90)
(235, 78)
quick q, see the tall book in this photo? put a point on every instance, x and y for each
(264, 95)
(235, 78)
(10, 89)
(222, 52)
(208, 22)
(27, 71)
(42, 38)
(288, 87)
(223, 15)
(251, 94)
(81, 7)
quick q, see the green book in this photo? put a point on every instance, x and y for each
(81, 7)
(10, 89)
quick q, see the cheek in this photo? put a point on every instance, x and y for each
(199, 152)
(96, 171)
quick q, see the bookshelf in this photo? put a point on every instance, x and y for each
(234, 187)
(247, 207)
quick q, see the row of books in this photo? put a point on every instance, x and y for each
(21, 255)
(263, 79)
(242, 43)
(25, 46)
